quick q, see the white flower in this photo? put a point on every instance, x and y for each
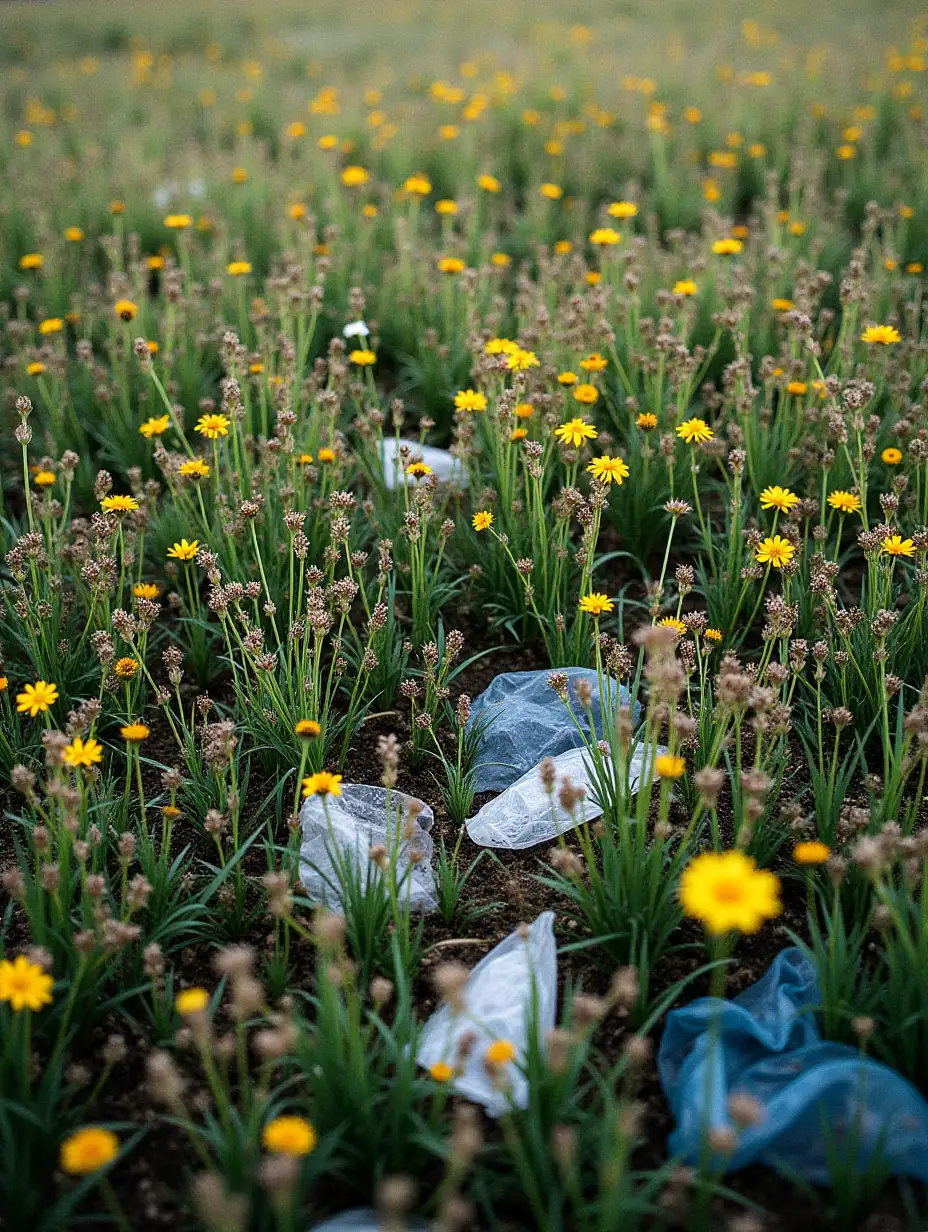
(356, 329)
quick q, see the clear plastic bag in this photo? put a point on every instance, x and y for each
(444, 465)
(363, 1219)
(522, 720)
(498, 1005)
(814, 1098)
(357, 820)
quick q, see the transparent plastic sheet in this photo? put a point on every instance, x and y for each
(444, 465)
(524, 815)
(364, 1219)
(355, 821)
(524, 721)
(497, 1005)
(817, 1098)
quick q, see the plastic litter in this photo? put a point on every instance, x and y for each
(524, 815)
(497, 1005)
(445, 466)
(525, 721)
(815, 1097)
(363, 1219)
(358, 819)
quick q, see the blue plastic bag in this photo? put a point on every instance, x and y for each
(524, 721)
(815, 1097)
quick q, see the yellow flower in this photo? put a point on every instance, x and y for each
(500, 1052)
(126, 310)
(183, 550)
(567, 378)
(25, 985)
(35, 369)
(647, 421)
(594, 362)
(596, 603)
(119, 504)
(448, 132)
(671, 622)
(152, 347)
(88, 1150)
(116, 208)
(587, 394)
(328, 142)
(727, 247)
(418, 470)
(363, 359)
(307, 729)
(685, 286)
(326, 455)
(126, 668)
(609, 470)
(501, 260)
(289, 1135)
(563, 247)
(895, 545)
(134, 733)
(489, 183)
(891, 456)
(845, 502)
(296, 210)
(780, 304)
(781, 499)
(196, 468)
(846, 152)
(441, 1071)
(296, 129)
(622, 209)
(155, 426)
(605, 237)
(51, 325)
(178, 222)
(446, 206)
(692, 115)
(354, 177)
(524, 410)
(4, 683)
(592, 278)
(575, 432)
(694, 431)
(667, 766)
(146, 590)
(369, 211)
(470, 400)
(154, 263)
(322, 784)
(43, 479)
(776, 551)
(238, 269)
(811, 853)
(553, 192)
(191, 1001)
(83, 753)
(520, 361)
(450, 265)
(518, 434)
(213, 426)
(729, 893)
(482, 520)
(31, 261)
(884, 335)
(418, 185)
(239, 175)
(797, 388)
(714, 635)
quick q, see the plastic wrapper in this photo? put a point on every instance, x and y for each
(522, 721)
(363, 1219)
(360, 818)
(445, 466)
(815, 1099)
(498, 1005)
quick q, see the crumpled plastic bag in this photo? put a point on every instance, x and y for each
(363, 1219)
(497, 1005)
(445, 466)
(816, 1097)
(524, 815)
(523, 721)
(355, 821)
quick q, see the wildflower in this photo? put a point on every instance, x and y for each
(195, 468)
(178, 222)
(846, 152)
(671, 622)
(126, 310)
(354, 177)
(43, 479)
(239, 175)
(88, 1150)
(500, 1052)
(191, 1001)
(363, 358)
(470, 400)
(622, 209)
(289, 1135)
(575, 432)
(31, 261)
(51, 325)
(296, 210)
(713, 635)
(326, 455)
(322, 784)
(592, 278)
(73, 235)
(524, 410)
(4, 683)
(119, 504)
(418, 185)
(25, 985)
(608, 470)
(685, 286)
(797, 388)
(85, 753)
(446, 207)
(489, 183)
(895, 545)
(418, 470)
(35, 369)
(518, 434)
(728, 892)
(183, 550)
(146, 590)
(237, 269)
(450, 265)
(891, 456)
(213, 426)
(567, 378)
(667, 766)
(596, 603)
(586, 394)
(727, 247)
(884, 335)
(36, 698)
(126, 668)
(441, 1071)
(694, 431)
(501, 260)
(563, 247)
(305, 459)
(553, 192)
(775, 551)
(781, 499)
(646, 421)
(482, 520)
(781, 304)
(811, 853)
(154, 263)
(117, 207)
(605, 237)
(845, 502)
(156, 426)
(152, 347)
(135, 733)
(500, 346)
(307, 729)
(520, 361)
(594, 362)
